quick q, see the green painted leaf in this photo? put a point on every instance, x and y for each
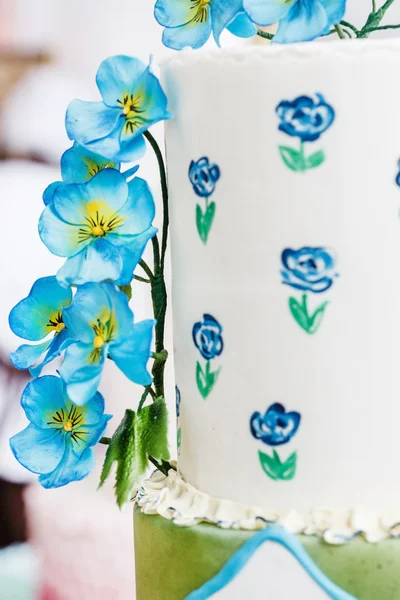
(315, 160)
(200, 223)
(316, 319)
(138, 436)
(206, 379)
(275, 468)
(299, 312)
(292, 158)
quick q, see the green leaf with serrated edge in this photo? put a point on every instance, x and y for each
(315, 160)
(269, 465)
(316, 319)
(292, 158)
(208, 220)
(122, 451)
(288, 468)
(151, 429)
(299, 312)
(126, 289)
(200, 223)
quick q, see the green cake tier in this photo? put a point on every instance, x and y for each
(173, 561)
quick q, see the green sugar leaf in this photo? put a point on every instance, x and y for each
(126, 289)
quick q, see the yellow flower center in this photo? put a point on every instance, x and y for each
(100, 219)
(70, 421)
(56, 323)
(59, 327)
(98, 231)
(68, 426)
(98, 342)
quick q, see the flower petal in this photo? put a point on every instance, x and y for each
(62, 239)
(26, 355)
(123, 315)
(335, 10)
(139, 210)
(93, 411)
(81, 375)
(71, 468)
(42, 398)
(242, 26)
(49, 192)
(111, 147)
(193, 34)
(223, 13)
(117, 76)
(78, 164)
(58, 344)
(88, 435)
(173, 13)
(90, 301)
(132, 355)
(305, 21)
(38, 450)
(267, 12)
(99, 261)
(131, 249)
(89, 121)
(29, 319)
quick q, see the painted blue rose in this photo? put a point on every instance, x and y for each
(309, 269)
(276, 427)
(305, 117)
(207, 336)
(178, 401)
(203, 176)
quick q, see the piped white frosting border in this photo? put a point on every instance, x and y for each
(174, 499)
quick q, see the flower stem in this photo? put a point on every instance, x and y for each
(146, 269)
(373, 5)
(374, 20)
(350, 26)
(381, 28)
(164, 190)
(265, 35)
(142, 279)
(340, 31)
(105, 440)
(147, 390)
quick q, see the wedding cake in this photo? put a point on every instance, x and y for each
(285, 237)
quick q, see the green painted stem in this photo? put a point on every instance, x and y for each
(373, 5)
(381, 28)
(374, 20)
(265, 35)
(350, 26)
(142, 279)
(340, 32)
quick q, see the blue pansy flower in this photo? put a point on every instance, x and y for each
(305, 117)
(309, 269)
(191, 22)
(78, 164)
(203, 176)
(40, 317)
(103, 324)
(207, 336)
(132, 101)
(101, 226)
(299, 20)
(178, 401)
(57, 444)
(276, 427)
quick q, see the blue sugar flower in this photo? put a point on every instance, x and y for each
(306, 118)
(309, 269)
(207, 336)
(204, 176)
(103, 324)
(132, 101)
(178, 401)
(299, 20)
(276, 427)
(78, 164)
(57, 444)
(101, 226)
(190, 22)
(37, 316)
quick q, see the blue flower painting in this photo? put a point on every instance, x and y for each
(276, 426)
(298, 20)
(191, 22)
(132, 101)
(203, 176)
(102, 227)
(103, 326)
(40, 317)
(306, 118)
(207, 337)
(57, 444)
(309, 269)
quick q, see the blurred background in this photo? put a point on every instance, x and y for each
(71, 542)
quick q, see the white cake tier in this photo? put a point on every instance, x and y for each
(295, 262)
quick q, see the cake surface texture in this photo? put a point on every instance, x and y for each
(285, 237)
